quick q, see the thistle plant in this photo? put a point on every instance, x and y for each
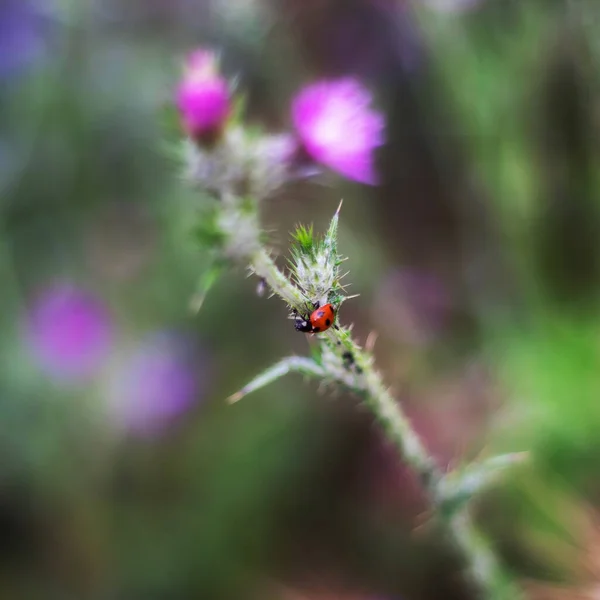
(236, 168)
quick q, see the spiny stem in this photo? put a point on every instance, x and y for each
(262, 264)
(479, 561)
(481, 567)
(401, 434)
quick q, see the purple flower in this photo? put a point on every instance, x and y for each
(202, 96)
(415, 304)
(157, 382)
(451, 5)
(23, 33)
(68, 332)
(338, 128)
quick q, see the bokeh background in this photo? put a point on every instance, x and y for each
(124, 474)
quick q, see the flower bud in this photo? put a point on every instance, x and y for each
(203, 97)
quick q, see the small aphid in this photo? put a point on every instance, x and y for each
(348, 358)
(350, 362)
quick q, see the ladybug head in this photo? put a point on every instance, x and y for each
(302, 325)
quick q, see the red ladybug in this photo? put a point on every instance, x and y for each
(322, 318)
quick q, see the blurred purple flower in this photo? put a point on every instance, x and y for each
(415, 304)
(159, 381)
(202, 96)
(451, 5)
(22, 33)
(373, 39)
(338, 128)
(69, 332)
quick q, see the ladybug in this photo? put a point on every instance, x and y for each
(321, 319)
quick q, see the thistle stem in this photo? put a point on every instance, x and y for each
(480, 566)
(262, 264)
(377, 397)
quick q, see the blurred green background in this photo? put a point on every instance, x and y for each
(476, 260)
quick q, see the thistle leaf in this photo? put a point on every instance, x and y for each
(459, 487)
(208, 279)
(292, 364)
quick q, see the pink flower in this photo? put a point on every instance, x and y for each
(68, 332)
(202, 96)
(415, 305)
(338, 128)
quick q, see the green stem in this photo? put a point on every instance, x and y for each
(480, 566)
(262, 264)
(385, 408)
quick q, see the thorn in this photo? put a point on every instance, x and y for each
(521, 457)
(196, 302)
(424, 522)
(339, 207)
(453, 463)
(235, 397)
(371, 339)
(481, 455)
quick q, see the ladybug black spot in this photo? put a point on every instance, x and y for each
(316, 329)
(328, 322)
